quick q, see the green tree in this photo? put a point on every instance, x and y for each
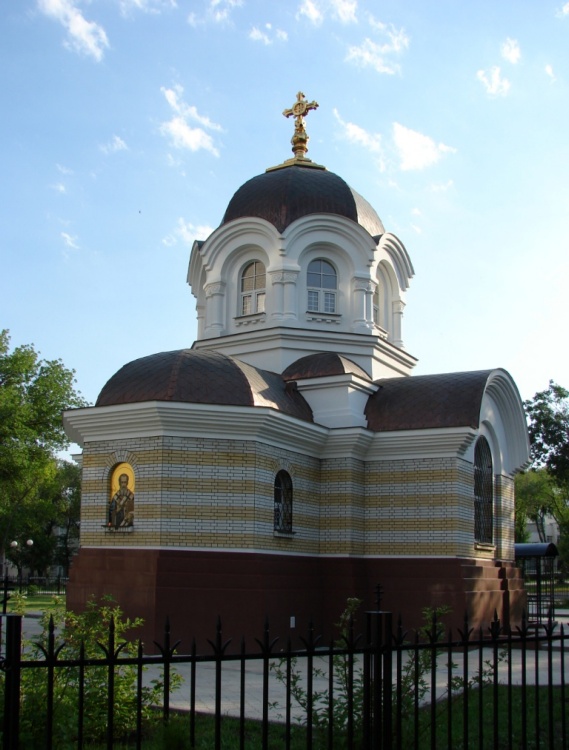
(548, 420)
(33, 394)
(536, 497)
(67, 494)
(548, 417)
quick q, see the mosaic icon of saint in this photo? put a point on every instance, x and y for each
(121, 507)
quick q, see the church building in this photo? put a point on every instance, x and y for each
(289, 459)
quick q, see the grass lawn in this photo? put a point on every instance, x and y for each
(176, 734)
(33, 603)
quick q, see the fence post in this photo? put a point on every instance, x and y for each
(12, 682)
(5, 598)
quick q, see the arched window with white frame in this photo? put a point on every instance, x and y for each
(253, 282)
(483, 492)
(322, 285)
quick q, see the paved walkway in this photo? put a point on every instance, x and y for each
(537, 666)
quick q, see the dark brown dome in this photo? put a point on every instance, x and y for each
(282, 196)
(322, 365)
(425, 401)
(201, 377)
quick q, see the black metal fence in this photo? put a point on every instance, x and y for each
(382, 689)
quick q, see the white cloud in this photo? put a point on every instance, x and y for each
(183, 136)
(356, 134)
(59, 187)
(187, 232)
(63, 170)
(397, 39)
(378, 55)
(441, 187)
(268, 36)
(549, 72)
(345, 10)
(311, 11)
(220, 10)
(85, 37)
(70, 241)
(564, 10)
(493, 81)
(114, 145)
(511, 51)
(146, 6)
(315, 11)
(417, 151)
(178, 129)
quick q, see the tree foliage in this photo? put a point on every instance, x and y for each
(545, 489)
(548, 417)
(33, 394)
(537, 496)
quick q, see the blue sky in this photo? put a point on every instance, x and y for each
(127, 125)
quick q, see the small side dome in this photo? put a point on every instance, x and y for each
(201, 377)
(282, 196)
(323, 365)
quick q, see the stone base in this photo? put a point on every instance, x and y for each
(193, 589)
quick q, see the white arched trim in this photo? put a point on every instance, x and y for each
(503, 423)
(399, 257)
(228, 239)
(332, 230)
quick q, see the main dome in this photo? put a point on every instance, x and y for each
(281, 196)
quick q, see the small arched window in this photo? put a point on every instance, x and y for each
(283, 502)
(322, 283)
(483, 492)
(253, 288)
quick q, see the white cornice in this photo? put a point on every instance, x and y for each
(157, 419)
(161, 418)
(283, 345)
(432, 443)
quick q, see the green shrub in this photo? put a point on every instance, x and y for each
(84, 634)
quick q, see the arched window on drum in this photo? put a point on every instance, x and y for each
(253, 282)
(322, 285)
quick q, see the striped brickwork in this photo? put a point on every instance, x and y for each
(342, 515)
(200, 493)
(210, 493)
(421, 506)
(504, 517)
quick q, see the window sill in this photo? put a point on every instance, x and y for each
(485, 546)
(120, 530)
(284, 534)
(252, 319)
(323, 317)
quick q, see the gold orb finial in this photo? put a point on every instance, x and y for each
(299, 109)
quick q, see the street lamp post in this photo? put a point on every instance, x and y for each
(16, 548)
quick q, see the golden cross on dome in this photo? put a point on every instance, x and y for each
(299, 109)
